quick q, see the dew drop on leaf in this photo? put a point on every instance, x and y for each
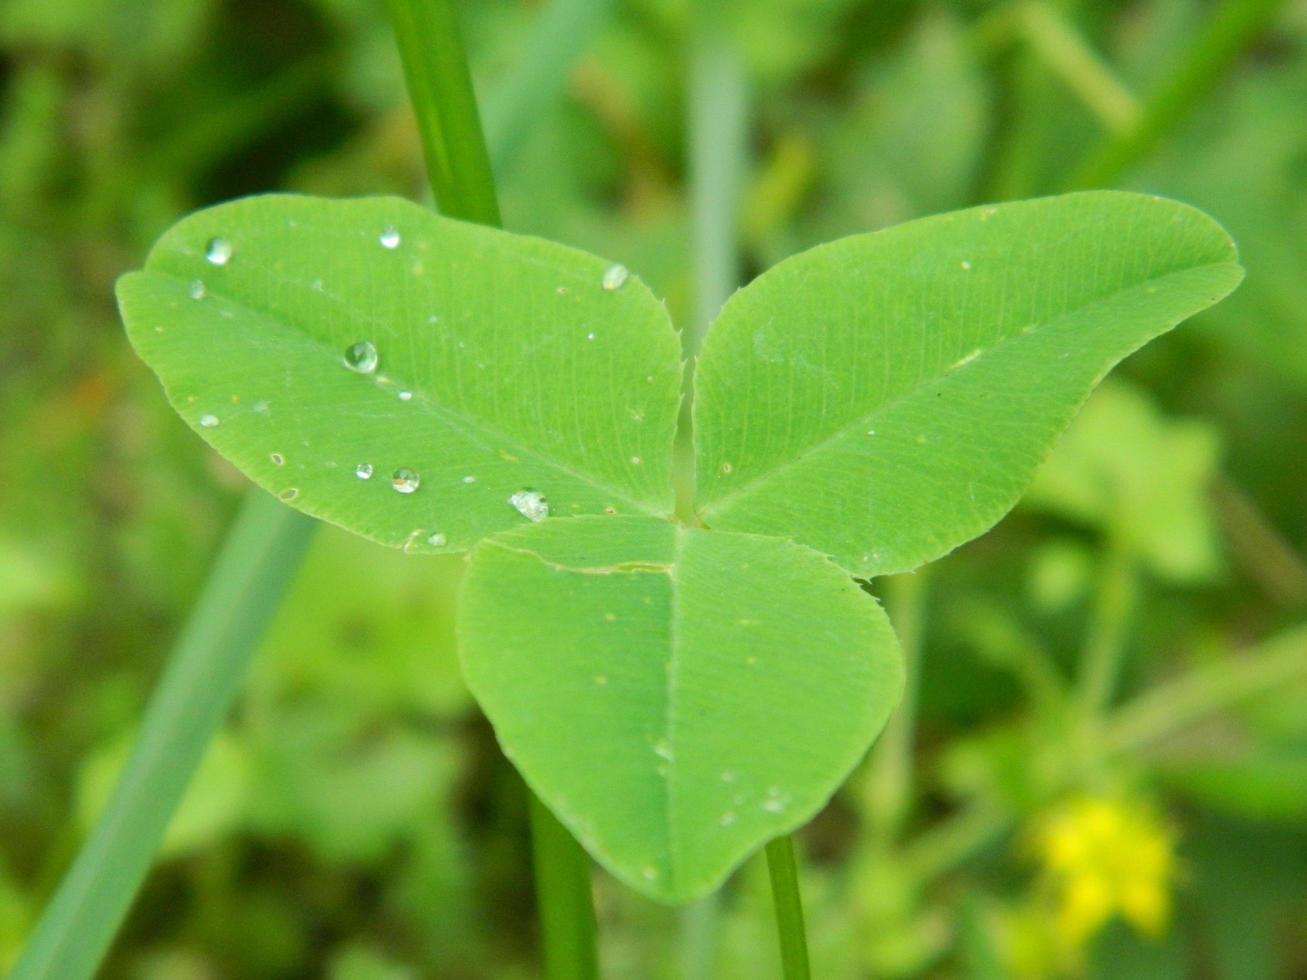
(197, 289)
(405, 396)
(277, 459)
(289, 494)
(208, 421)
(363, 471)
(218, 251)
(361, 357)
(531, 504)
(614, 276)
(437, 540)
(405, 480)
(389, 237)
(727, 819)
(663, 749)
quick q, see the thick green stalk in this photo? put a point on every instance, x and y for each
(458, 165)
(440, 89)
(563, 898)
(242, 593)
(1227, 33)
(784, 873)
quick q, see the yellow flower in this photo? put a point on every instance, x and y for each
(1103, 857)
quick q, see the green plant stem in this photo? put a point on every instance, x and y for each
(784, 873)
(458, 165)
(1105, 642)
(717, 113)
(563, 31)
(1064, 50)
(440, 90)
(204, 672)
(718, 121)
(889, 778)
(1227, 33)
(563, 897)
(1162, 712)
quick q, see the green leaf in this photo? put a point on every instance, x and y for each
(1130, 471)
(504, 364)
(886, 397)
(676, 696)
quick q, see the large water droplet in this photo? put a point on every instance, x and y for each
(361, 357)
(389, 237)
(405, 396)
(208, 421)
(218, 251)
(277, 459)
(531, 504)
(363, 471)
(614, 276)
(405, 480)
(197, 289)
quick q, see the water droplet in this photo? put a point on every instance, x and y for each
(389, 237)
(636, 461)
(663, 749)
(727, 819)
(289, 494)
(411, 542)
(405, 480)
(361, 357)
(590, 335)
(437, 540)
(469, 479)
(197, 290)
(363, 471)
(405, 396)
(433, 319)
(208, 421)
(727, 469)
(277, 459)
(871, 432)
(650, 872)
(966, 265)
(614, 276)
(531, 504)
(776, 800)
(773, 806)
(218, 251)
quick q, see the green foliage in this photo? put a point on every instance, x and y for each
(116, 118)
(672, 721)
(887, 397)
(881, 399)
(485, 365)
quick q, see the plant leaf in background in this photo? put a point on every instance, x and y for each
(887, 397)
(1126, 469)
(340, 351)
(676, 696)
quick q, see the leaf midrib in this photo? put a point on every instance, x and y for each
(462, 421)
(888, 406)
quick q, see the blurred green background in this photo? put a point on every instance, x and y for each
(355, 820)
